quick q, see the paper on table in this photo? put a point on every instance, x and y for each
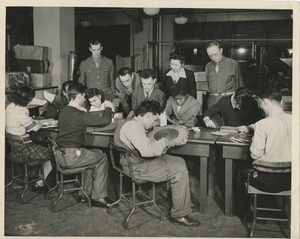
(219, 133)
(36, 102)
(46, 123)
(48, 96)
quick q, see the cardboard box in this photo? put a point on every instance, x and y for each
(41, 80)
(34, 66)
(31, 52)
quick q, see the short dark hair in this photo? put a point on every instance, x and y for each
(151, 106)
(22, 96)
(75, 89)
(124, 71)
(213, 43)
(95, 41)
(95, 92)
(271, 92)
(242, 96)
(147, 73)
(66, 84)
(178, 90)
(176, 56)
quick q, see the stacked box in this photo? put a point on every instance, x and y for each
(31, 52)
(34, 66)
(41, 80)
(34, 59)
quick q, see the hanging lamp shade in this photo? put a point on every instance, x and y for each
(180, 19)
(85, 22)
(151, 11)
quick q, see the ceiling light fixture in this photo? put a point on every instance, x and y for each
(180, 19)
(151, 11)
(85, 22)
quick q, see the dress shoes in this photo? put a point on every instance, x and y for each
(39, 189)
(186, 221)
(103, 202)
(82, 199)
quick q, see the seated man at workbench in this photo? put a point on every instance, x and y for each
(238, 109)
(270, 148)
(154, 164)
(72, 124)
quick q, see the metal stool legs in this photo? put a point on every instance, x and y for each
(60, 185)
(133, 202)
(24, 179)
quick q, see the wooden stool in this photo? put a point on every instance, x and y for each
(266, 213)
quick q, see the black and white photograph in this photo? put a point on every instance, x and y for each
(150, 119)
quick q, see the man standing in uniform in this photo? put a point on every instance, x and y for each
(222, 73)
(98, 71)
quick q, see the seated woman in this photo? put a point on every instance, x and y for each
(17, 124)
(97, 101)
(181, 107)
(59, 102)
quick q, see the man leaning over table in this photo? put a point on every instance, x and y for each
(154, 164)
(126, 83)
(72, 124)
(238, 109)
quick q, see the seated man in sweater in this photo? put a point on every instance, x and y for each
(153, 164)
(238, 109)
(72, 122)
(147, 92)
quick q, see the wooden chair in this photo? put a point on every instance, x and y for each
(135, 183)
(266, 213)
(61, 172)
(26, 177)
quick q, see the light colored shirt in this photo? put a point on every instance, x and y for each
(17, 120)
(228, 79)
(102, 107)
(176, 75)
(133, 135)
(272, 138)
(71, 103)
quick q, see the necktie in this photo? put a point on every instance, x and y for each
(217, 68)
(147, 95)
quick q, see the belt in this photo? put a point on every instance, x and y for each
(222, 94)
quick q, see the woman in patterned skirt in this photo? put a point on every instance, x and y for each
(17, 124)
